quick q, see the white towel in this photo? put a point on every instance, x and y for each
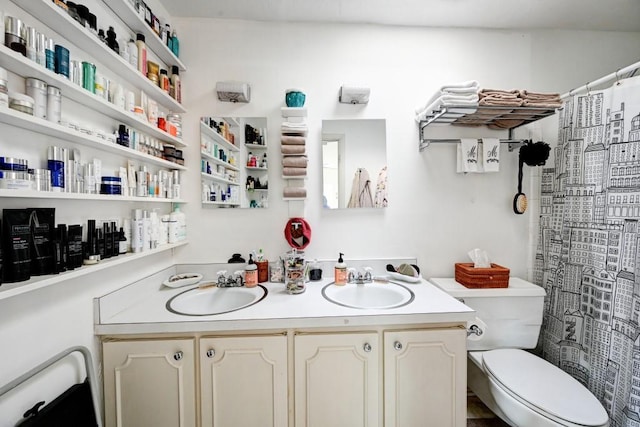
(467, 155)
(449, 100)
(490, 154)
(464, 88)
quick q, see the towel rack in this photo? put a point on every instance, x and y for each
(88, 364)
(452, 115)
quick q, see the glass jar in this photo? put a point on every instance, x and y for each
(294, 277)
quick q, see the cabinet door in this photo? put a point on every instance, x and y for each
(243, 381)
(425, 378)
(337, 380)
(149, 383)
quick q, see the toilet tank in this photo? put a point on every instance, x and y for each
(509, 317)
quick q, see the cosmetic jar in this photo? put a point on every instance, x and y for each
(13, 164)
(111, 185)
(42, 179)
(62, 60)
(15, 35)
(4, 88)
(54, 104)
(50, 54)
(89, 76)
(37, 89)
(55, 164)
(169, 150)
(295, 98)
(11, 180)
(176, 121)
(21, 102)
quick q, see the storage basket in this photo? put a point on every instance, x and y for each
(494, 277)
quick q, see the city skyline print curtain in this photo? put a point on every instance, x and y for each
(587, 255)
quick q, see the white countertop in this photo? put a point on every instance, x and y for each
(140, 309)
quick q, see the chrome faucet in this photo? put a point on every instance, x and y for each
(231, 281)
(358, 277)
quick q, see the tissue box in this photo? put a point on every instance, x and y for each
(494, 277)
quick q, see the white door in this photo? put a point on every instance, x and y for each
(337, 380)
(243, 381)
(425, 378)
(149, 383)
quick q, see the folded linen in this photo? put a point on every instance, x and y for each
(294, 125)
(292, 149)
(291, 171)
(502, 92)
(489, 100)
(445, 101)
(542, 104)
(525, 94)
(505, 124)
(292, 140)
(294, 192)
(464, 88)
(295, 161)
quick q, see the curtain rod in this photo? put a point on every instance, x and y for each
(615, 75)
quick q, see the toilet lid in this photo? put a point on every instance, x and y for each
(544, 387)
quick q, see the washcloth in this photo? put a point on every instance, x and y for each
(298, 192)
(291, 171)
(467, 155)
(292, 140)
(490, 154)
(361, 190)
(292, 149)
(295, 161)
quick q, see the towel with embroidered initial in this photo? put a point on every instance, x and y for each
(467, 155)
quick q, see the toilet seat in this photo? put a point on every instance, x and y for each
(544, 388)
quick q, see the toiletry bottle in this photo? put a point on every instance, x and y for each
(132, 47)
(175, 82)
(112, 40)
(251, 273)
(340, 272)
(142, 54)
(175, 44)
(122, 242)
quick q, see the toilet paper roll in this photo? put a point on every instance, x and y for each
(476, 330)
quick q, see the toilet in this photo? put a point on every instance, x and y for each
(522, 389)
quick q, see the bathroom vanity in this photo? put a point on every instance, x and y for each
(287, 360)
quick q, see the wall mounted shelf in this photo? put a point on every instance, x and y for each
(217, 161)
(8, 290)
(32, 194)
(130, 17)
(215, 136)
(19, 64)
(256, 146)
(218, 179)
(58, 20)
(482, 116)
(235, 205)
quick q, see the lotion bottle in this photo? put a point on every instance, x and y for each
(340, 272)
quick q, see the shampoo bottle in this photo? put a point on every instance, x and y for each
(340, 272)
(251, 273)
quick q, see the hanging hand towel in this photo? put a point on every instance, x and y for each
(490, 154)
(468, 155)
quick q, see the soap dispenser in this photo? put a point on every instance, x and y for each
(340, 272)
(251, 273)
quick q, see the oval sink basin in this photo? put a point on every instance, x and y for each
(214, 300)
(370, 295)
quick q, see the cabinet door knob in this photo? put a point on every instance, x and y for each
(178, 355)
(397, 345)
(366, 347)
(210, 353)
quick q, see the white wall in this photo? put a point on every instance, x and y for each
(435, 214)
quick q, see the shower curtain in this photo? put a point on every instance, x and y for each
(587, 256)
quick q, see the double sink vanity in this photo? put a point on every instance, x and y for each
(373, 354)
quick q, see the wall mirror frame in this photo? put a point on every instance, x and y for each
(234, 163)
(354, 163)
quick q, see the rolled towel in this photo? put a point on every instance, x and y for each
(292, 140)
(294, 125)
(294, 192)
(295, 161)
(290, 171)
(292, 149)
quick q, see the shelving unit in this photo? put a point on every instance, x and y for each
(296, 204)
(217, 161)
(8, 290)
(20, 65)
(218, 179)
(31, 194)
(481, 116)
(130, 17)
(221, 204)
(216, 137)
(57, 19)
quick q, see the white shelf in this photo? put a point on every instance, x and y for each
(22, 66)
(60, 21)
(8, 290)
(219, 162)
(44, 127)
(256, 146)
(232, 121)
(218, 179)
(290, 199)
(294, 111)
(253, 168)
(32, 194)
(212, 134)
(130, 17)
(257, 190)
(221, 204)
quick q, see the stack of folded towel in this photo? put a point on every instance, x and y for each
(293, 150)
(542, 100)
(464, 94)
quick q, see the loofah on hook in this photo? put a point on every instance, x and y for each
(534, 153)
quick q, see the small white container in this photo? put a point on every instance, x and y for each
(37, 89)
(54, 104)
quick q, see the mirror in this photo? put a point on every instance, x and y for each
(354, 163)
(234, 165)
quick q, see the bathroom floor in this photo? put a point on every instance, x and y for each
(478, 415)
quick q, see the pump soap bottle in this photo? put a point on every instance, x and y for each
(251, 273)
(340, 272)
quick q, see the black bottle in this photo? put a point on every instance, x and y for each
(100, 239)
(108, 240)
(114, 240)
(111, 41)
(60, 246)
(122, 242)
(123, 136)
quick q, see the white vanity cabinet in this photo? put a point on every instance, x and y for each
(425, 378)
(149, 383)
(337, 380)
(243, 381)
